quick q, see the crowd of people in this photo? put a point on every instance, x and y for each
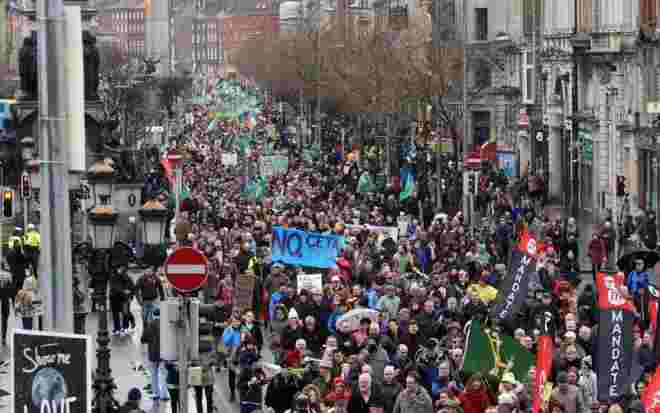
(389, 327)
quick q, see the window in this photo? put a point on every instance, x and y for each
(527, 79)
(481, 129)
(482, 76)
(532, 12)
(481, 24)
(647, 15)
(597, 18)
(585, 15)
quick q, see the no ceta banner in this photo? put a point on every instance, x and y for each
(307, 249)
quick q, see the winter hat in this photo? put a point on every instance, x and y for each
(293, 314)
(506, 398)
(339, 381)
(134, 394)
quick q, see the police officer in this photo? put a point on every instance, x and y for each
(16, 258)
(32, 247)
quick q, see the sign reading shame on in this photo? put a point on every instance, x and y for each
(52, 372)
(307, 249)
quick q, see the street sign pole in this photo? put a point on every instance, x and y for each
(187, 271)
(184, 328)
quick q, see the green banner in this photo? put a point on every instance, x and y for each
(585, 141)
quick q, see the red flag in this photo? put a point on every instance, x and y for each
(169, 172)
(609, 292)
(529, 245)
(651, 395)
(543, 368)
(653, 314)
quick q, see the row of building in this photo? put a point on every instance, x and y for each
(567, 88)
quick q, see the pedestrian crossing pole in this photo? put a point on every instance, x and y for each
(182, 330)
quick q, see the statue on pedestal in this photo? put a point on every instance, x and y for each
(27, 67)
(91, 64)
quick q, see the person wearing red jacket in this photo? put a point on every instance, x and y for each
(475, 398)
(339, 396)
(294, 358)
(598, 253)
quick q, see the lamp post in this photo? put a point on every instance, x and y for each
(100, 265)
(154, 217)
(27, 153)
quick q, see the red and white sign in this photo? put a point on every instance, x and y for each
(523, 119)
(186, 269)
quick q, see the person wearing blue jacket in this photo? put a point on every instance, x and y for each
(638, 279)
(231, 338)
(276, 298)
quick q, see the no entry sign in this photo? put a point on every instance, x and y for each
(186, 269)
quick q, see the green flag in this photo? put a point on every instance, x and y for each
(256, 189)
(479, 355)
(262, 188)
(408, 189)
(365, 184)
(518, 359)
(493, 354)
(185, 193)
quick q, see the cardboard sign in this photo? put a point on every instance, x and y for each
(230, 159)
(51, 372)
(245, 284)
(310, 282)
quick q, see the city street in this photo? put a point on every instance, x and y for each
(127, 352)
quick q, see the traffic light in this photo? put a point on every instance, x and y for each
(471, 183)
(8, 203)
(26, 188)
(620, 186)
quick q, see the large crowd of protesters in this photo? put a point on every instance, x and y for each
(415, 295)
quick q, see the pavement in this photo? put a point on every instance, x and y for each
(126, 353)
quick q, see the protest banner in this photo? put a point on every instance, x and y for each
(273, 165)
(308, 249)
(52, 372)
(229, 159)
(353, 317)
(245, 284)
(515, 288)
(266, 167)
(310, 282)
(382, 233)
(615, 337)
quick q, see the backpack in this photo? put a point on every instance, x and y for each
(150, 287)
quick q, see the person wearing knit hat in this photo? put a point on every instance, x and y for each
(133, 402)
(293, 314)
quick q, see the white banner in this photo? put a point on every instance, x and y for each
(382, 233)
(310, 282)
(229, 159)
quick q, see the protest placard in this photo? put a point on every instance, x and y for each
(310, 282)
(245, 284)
(51, 372)
(230, 159)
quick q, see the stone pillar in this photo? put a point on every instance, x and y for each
(75, 93)
(554, 148)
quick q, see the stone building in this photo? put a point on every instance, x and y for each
(598, 70)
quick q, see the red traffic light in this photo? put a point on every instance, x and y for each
(26, 186)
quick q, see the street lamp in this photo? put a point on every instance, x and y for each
(101, 267)
(154, 216)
